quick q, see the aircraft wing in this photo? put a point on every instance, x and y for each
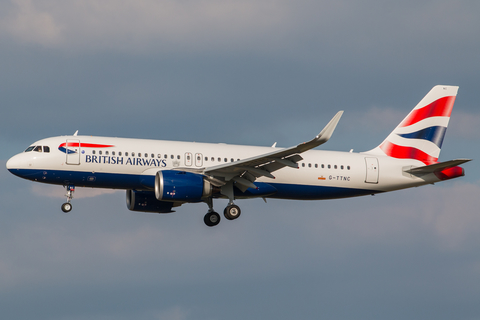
(245, 172)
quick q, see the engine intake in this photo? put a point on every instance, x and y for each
(181, 186)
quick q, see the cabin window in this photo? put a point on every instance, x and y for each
(152, 155)
(46, 149)
(188, 158)
(316, 165)
(231, 160)
(126, 154)
(225, 159)
(341, 167)
(171, 156)
(120, 153)
(329, 166)
(213, 159)
(178, 157)
(348, 167)
(219, 159)
(93, 151)
(323, 166)
(113, 153)
(335, 167)
(206, 158)
(199, 158)
(100, 152)
(309, 165)
(106, 152)
(165, 156)
(303, 165)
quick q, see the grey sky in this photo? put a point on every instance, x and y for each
(245, 72)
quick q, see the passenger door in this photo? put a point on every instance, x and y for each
(72, 151)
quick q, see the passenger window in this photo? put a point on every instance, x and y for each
(100, 152)
(231, 160)
(309, 165)
(93, 151)
(206, 158)
(225, 159)
(159, 155)
(341, 167)
(106, 152)
(316, 165)
(29, 149)
(120, 153)
(146, 155)
(188, 157)
(126, 154)
(329, 166)
(172, 156)
(165, 156)
(323, 166)
(348, 167)
(46, 149)
(178, 157)
(335, 167)
(303, 164)
(113, 153)
(133, 154)
(139, 155)
(219, 159)
(38, 149)
(153, 156)
(199, 158)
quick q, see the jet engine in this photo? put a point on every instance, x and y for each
(172, 185)
(145, 201)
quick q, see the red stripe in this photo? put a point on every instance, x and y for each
(85, 145)
(450, 173)
(400, 152)
(439, 108)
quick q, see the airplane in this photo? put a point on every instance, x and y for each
(161, 175)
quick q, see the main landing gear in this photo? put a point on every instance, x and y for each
(212, 218)
(67, 206)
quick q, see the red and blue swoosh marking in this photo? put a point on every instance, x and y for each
(63, 147)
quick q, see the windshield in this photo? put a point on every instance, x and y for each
(29, 148)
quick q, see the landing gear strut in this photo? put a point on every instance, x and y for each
(67, 206)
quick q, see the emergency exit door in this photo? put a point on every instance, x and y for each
(72, 151)
(372, 170)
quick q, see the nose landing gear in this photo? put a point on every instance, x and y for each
(67, 206)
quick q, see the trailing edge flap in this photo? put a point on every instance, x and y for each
(437, 166)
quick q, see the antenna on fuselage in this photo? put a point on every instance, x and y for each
(75, 134)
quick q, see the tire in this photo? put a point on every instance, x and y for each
(211, 219)
(232, 212)
(67, 207)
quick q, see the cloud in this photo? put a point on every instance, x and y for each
(28, 24)
(51, 191)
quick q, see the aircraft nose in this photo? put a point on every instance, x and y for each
(16, 162)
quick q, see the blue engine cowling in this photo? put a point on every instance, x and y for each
(172, 185)
(145, 201)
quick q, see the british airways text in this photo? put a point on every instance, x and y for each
(128, 161)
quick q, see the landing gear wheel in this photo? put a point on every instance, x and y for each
(232, 212)
(211, 219)
(66, 207)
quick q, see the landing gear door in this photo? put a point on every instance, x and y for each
(372, 170)
(72, 151)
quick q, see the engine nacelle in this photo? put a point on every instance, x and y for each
(145, 201)
(172, 185)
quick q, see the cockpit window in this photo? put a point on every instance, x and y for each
(46, 149)
(38, 149)
(29, 149)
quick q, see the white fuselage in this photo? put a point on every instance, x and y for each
(121, 163)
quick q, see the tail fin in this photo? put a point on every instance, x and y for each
(420, 135)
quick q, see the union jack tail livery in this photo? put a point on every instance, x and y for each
(420, 135)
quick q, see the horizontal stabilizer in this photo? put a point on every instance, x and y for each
(437, 166)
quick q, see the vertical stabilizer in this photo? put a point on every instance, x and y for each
(420, 135)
